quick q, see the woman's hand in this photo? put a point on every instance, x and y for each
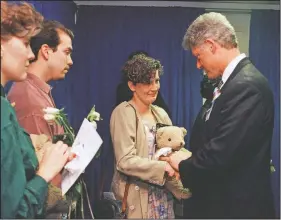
(175, 158)
(53, 160)
(177, 175)
(71, 155)
(41, 143)
(169, 170)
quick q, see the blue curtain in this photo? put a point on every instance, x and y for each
(265, 53)
(105, 36)
(62, 11)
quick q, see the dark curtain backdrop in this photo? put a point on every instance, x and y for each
(264, 51)
(105, 36)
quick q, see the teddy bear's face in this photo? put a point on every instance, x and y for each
(170, 136)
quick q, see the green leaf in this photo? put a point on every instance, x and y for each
(90, 115)
(78, 187)
(272, 169)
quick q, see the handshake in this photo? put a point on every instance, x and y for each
(173, 159)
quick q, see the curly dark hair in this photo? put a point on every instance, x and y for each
(20, 20)
(141, 68)
(137, 52)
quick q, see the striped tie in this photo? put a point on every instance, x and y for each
(217, 91)
(220, 85)
(216, 94)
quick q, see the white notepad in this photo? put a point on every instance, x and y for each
(86, 145)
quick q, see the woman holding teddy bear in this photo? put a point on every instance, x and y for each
(132, 127)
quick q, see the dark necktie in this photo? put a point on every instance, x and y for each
(216, 93)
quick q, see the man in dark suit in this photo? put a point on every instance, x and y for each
(207, 87)
(229, 173)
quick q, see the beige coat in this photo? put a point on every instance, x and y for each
(131, 157)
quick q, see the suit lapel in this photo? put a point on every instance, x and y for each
(237, 69)
(216, 111)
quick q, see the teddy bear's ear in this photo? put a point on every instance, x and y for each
(184, 131)
(159, 133)
(160, 125)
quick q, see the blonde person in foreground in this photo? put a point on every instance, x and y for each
(24, 182)
(132, 127)
(52, 48)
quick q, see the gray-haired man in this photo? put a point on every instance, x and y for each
(229, 173)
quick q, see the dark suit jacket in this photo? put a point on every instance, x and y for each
(196, 139)
(229, 173)
(197, 134)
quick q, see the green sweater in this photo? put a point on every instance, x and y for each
(23, 193)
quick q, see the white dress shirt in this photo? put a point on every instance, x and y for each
(231, 66)
(226, 73)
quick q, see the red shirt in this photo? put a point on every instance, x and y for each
(30, 97)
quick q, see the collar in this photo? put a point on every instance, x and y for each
(35, 80)
(230, 67)
(2, 91)
(154, 109)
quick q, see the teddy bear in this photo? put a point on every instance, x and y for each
(169, 139)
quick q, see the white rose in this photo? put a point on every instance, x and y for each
(50, 110)
(49, 117)
(96, 116)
